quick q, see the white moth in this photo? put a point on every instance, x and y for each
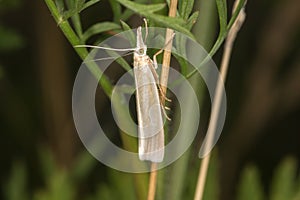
(149, 109)
(148, 101)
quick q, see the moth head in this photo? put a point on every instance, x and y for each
(141, 48)
(141, 51)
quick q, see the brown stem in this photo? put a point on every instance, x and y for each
(217, 102)
(163, 83)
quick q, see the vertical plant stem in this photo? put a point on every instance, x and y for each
(74, 40)
(218, 97)
(167, 52)
(163, 83)
(152, 182)
(140, 180)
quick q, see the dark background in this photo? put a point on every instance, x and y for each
(38, 67)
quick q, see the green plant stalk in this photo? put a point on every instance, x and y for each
(82, 52)
(221, 37)
(75, 19)
(140, 180)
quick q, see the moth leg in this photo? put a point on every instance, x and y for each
(161, 50)
(154, 58)
(167, 108)
(155, 75)
(156, 66)
(165, 113)
(162, 94)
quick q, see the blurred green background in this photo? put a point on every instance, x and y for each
(42, 157)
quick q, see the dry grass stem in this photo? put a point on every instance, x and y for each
(163, 82)
(218, 98)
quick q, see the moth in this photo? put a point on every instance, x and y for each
(149, 97)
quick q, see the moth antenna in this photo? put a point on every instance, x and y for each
(105, 48)
(108, 58)
(146, 26)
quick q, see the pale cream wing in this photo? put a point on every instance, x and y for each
(149, 112)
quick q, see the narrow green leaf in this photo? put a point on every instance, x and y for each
(181, 45)
(74, 14)
(117, 10)
(284, 182)
(131, 35)
(15, 187)
(10, 39)
(88, 4)
(141, 8)
(69, 13)
(236, 13)
(84, 164)
(221, 37)
(121, 61)
(60, 5)
(82, 52)
(250, 186)
(99, 28)
(126, 14)
(212, 187)
(222, 11)
(175, 23)
(47, 162)
(75, 7)
(192, 20)
(185, 8)
(78, 4)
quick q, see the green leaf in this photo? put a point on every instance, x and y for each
(212, 190)
(83, 165)
(76, 7)
(141, 8)
(78, 4)
(15, 186)
(121, 61)
(175, 23)
(126, 14)
(82, 52)
(117, 10)
(284, 182)
(131, 35)
(181, 45)
(99, 28)
(60, 5)
(47, 162)
(222, 35)
(236, 13)
(10, 39)
(250, 186)
(59, 187)
(222, 11)
(185, 8)
(74, 14)
(88, 4)
(192, 20)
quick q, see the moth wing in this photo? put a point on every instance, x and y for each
(149, 112)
